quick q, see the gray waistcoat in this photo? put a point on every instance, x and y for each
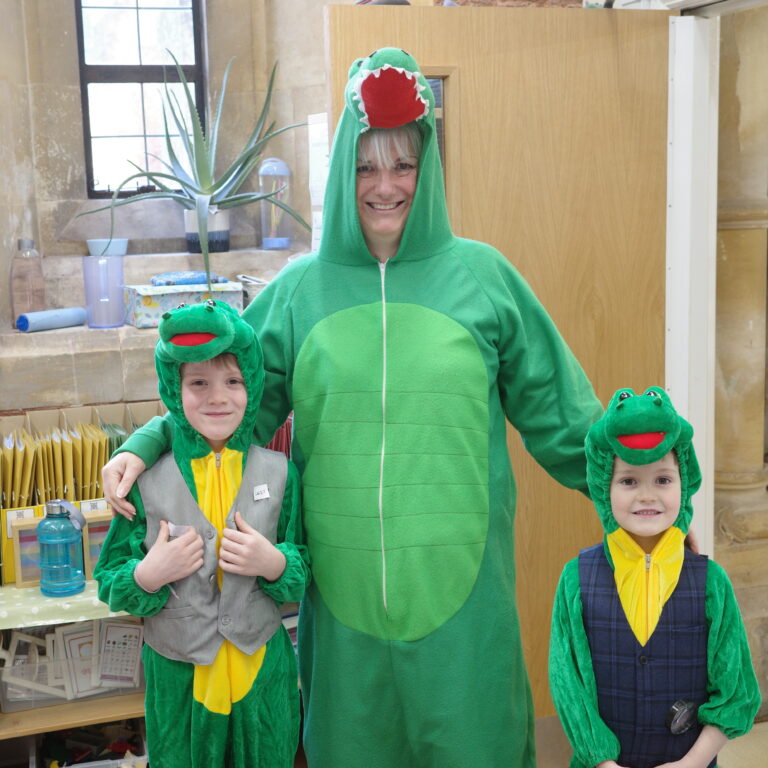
(193, 626)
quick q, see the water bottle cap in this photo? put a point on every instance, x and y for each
(63, 508)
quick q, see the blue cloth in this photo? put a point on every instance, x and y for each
(637, 685)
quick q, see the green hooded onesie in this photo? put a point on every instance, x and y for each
(239, 707)
(401, 376)
(642, 429)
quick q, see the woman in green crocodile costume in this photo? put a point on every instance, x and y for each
(402, 373)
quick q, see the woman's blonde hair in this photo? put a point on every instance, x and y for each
(376, 144)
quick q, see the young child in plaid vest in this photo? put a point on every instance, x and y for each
(649, 663)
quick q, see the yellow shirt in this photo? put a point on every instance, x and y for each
(232, 673)
(645, 581)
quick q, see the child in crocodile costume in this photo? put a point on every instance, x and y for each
(649, 661)
(222, 689)
(402, 375)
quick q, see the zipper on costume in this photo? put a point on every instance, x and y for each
(218, 460)
(647, 594)
(382, 270)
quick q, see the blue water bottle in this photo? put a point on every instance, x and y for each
(61, 549)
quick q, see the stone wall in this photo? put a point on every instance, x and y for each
(41, 154)
(741, 477)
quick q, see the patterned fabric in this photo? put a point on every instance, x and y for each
(638, 684)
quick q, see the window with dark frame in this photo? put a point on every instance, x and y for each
(124, 63)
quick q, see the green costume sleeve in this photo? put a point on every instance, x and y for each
(150, 441)
(734, 694)
(269, 316)
(290, 536)
(572, 679)
(122, 551)
(544, 392)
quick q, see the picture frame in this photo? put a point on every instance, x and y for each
(98, 519)
(27, 675)
(75, 643)
(26, 551)
(119, 642)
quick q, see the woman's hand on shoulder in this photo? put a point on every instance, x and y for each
(117, 478)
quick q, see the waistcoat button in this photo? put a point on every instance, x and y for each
(225, 620)
(210, 534)
(643, 659)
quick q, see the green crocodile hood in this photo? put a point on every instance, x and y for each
(640, 429)
(195, 333)
(385, 90)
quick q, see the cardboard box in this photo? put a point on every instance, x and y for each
(145, 304)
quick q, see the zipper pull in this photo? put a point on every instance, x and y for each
(218, 460)
(647, 562)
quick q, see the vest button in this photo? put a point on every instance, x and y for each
(643, 659)
(210, 534)
(225, 620)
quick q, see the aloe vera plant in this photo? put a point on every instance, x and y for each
(192, 180)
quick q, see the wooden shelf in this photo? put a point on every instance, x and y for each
(71, 715)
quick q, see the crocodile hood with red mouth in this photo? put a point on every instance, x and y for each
(640, 429)
(385, 90)
(193, 333)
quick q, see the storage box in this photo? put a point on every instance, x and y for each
(145, 304)
(42, 684)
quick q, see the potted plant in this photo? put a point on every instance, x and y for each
(192, 180)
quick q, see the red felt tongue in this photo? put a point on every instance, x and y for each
(192, 339)
(643, 440)
(391, 99)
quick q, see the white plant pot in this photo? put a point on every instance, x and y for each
(218, 231)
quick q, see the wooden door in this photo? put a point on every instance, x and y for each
(555, 140)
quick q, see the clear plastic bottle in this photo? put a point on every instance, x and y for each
(27, 281)
(61, 551)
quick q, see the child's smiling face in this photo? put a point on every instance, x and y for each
(214, 398)
(645, 499)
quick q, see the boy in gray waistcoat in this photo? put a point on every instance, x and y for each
(216, 545)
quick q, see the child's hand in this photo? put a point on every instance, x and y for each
(247, 552)
(169, 561)
(609, 764)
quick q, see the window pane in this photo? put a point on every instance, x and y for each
(109, 36)
(156, 153)
(161, 29)
(153, 103)
(110, 161)
(109, 3)
(115, 109)
(165, 3)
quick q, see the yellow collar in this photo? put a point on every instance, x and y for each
(645, 581)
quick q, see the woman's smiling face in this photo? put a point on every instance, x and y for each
(384, 197)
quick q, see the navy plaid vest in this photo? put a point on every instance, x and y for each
(637, 685)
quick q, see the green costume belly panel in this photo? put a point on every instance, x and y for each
(396, 538)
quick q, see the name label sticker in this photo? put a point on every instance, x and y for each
(260, 492)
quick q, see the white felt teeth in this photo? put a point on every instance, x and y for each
(364, 73)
